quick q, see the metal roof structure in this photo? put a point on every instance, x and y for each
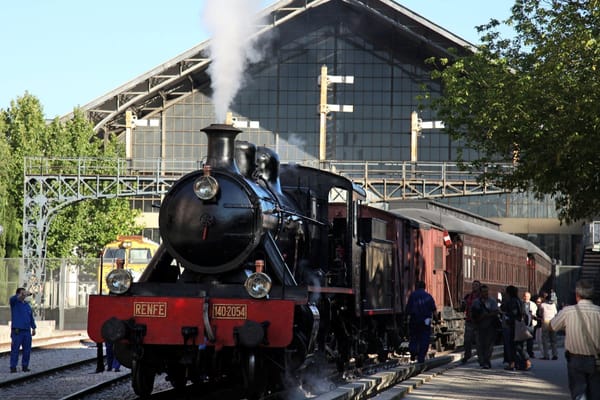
(157, 89)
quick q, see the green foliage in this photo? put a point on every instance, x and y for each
(532, 99)
(81, 228)
(102, 220)
(21, 126)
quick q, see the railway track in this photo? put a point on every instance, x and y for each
(60, 382)
(78, 380)
(356, 383)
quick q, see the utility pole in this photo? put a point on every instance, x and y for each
(130, 120)
(324, 108)
(416, 126)
(415, 132)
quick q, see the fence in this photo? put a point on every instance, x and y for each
(65, 292)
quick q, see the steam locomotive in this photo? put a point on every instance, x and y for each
(263, 266)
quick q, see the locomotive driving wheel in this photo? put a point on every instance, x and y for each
(142, 378)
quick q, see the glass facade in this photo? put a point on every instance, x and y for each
(514, 205)
(281, 92)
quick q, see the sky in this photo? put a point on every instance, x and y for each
(67, 53)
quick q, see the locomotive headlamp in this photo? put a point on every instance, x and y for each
(206, 187)
(258, 285)
(119, 281)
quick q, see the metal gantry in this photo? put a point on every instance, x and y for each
(51, 184)
(388, 181)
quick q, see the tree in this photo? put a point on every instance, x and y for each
(532, 99)
(10, 230)
(82, 227)
(22, 126)
(97, 221)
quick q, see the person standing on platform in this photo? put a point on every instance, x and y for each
(581, 323)
(530, 315)
(22, 328)
(537, 331)
(421, 310)
(548, 312)
(513, 310)
(484, 312)
(470, 333)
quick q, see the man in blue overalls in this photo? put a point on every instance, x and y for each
(22, 329)
(421, 311)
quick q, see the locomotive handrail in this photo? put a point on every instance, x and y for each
(210, 335)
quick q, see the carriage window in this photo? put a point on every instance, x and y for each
(475, 266)
(438, 257)
(467, 261)
(484, 272)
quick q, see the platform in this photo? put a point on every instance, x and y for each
(46, 335)
(547, 379)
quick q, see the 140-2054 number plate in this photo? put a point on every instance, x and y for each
(229, 311)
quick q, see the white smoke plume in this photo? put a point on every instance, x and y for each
(231, 24)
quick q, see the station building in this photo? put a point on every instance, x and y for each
(379, 43)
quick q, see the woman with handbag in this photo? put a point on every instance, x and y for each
(513, 311)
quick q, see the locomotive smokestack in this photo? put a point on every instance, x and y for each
(221, 146)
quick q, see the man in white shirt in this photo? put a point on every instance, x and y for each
(548, 312)
(581, 323)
